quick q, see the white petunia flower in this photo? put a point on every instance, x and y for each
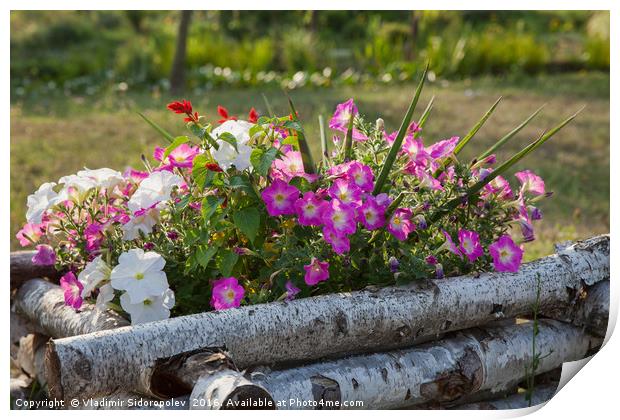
(39, 202)
(226, 155)
(106, 294)
(140, 274)
(93, 274)
(104, 177)
(152, 308)
(80, 183)
(153, 189)
(143, 222)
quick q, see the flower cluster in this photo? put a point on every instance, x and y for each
(237, 213)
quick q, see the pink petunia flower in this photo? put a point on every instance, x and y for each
(291, 166)
(411, 131)
(30, 233)
(415, 149)
(45, 255)
(345, 191)
(94, 236)
(450, 245)
(530, 182)
(361, 175)
(73, 290)
(470, 244)
(400, 224)
(183, 155)
(371, 214)
(316, 271)
(280, 198)
(498, 186)
(227, 293)
(309, 209)
(339, 217)
(341, 117)
(291, 290)
(340, 243)
(339, 170)
(426, 179)
(443, 148)
(506, 254)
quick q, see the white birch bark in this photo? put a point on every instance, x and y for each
(541, 395)
(476, 360)
(22, 269)
(330, 325)
(44, 304)
(227, 389)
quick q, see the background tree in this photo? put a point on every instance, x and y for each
(177, 75)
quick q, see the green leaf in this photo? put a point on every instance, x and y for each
(398, 141)
(248, 221)
(157, 128)
(243, 183)
(475, 128)
(348, 139)
(324, 147)
(268, 106)
(176, 143)
(426, 112)
(230, 139)
(209, 206)
(474, 189)
(304, 148)
(262, 159)
(204, 254)
(508, 136)
(225, 262)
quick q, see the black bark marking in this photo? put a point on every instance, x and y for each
(325, 390)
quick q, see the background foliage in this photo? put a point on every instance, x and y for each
(77, 79)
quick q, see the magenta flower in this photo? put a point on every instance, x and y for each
(530, 182)
(340, 243)
(499, 186)
(30, 234)
(280, 198)
(443, 148)
(94, 236)
(450, 245)
(362, 176)
(291, 290)
(470, 244)
(345, 191)
(73, 290)
(506, 254)
(383, 199)
(426, 179)
(341, 117)
(371, 214)
(309, 209)
(400, 224)
(227, 293)
(183, 155)
(290, 166)
(339, 217)
(45, 255)
(415, 149)
(316, 271)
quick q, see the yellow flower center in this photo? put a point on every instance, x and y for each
(279, 198)
(139, 276)
(147, 302)
(230, 295)
(396, 221)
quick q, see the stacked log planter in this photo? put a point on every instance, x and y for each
(463, 341)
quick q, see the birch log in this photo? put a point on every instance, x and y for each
(540, 395)
(590, 311)
(22, 269)
(44, 303)
(228, 389)
(329, 325)
(472, 361)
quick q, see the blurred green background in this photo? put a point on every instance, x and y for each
(77, 79)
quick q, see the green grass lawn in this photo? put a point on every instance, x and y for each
(51, 137)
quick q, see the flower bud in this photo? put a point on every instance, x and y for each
(394, 264)
(380, 125)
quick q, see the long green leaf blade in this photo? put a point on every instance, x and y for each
(157, 128)
(426, 112)
(476, 127)
(324, 146)
(508, 136)
(348, 139)
(398, 141)
(304, 149)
